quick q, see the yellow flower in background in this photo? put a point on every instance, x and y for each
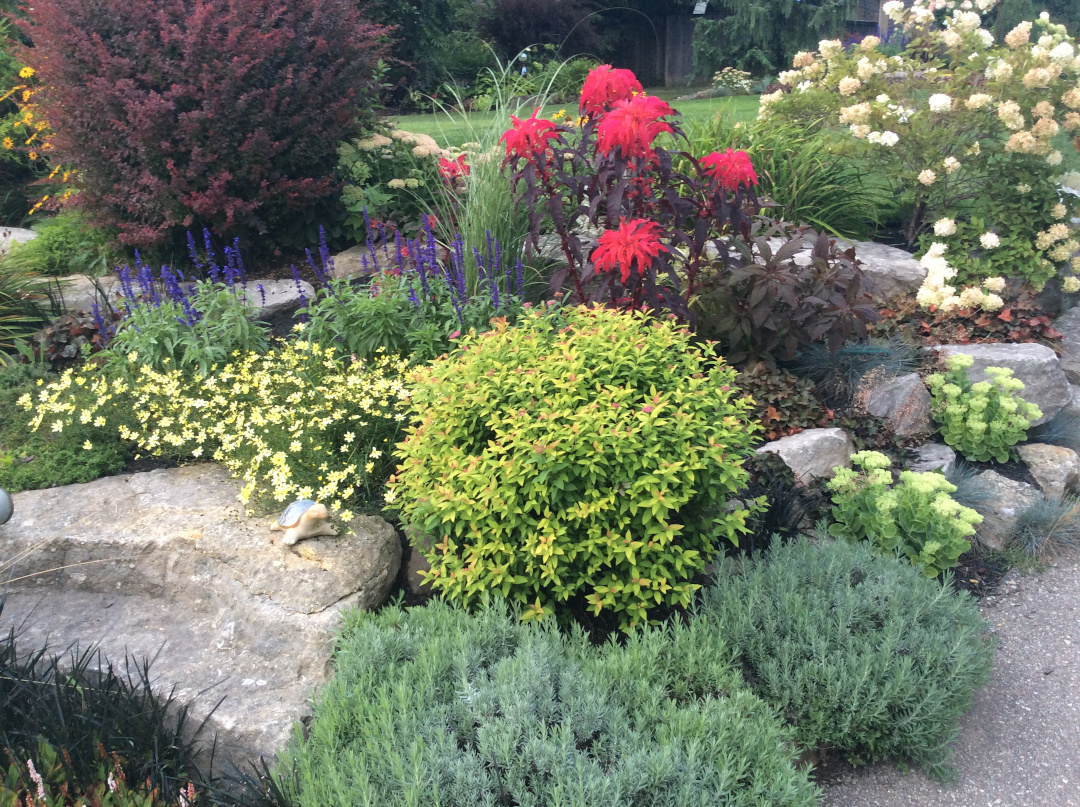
(33, 155)
(26, 72)
(9, 143)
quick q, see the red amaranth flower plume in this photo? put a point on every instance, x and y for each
(633, 125)
(528, 137)
(604, 86)
(731, 168)
(637, 240)
(452, 169)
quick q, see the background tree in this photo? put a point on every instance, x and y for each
(762, 35)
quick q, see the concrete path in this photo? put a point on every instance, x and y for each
(1020, 743)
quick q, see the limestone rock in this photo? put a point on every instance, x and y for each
(1003, 501)
(277, 296)
(1069, 324)
(175, 560)
(80, 292)
(1045, 385)
(812, 454)
(889, 271)
(904, 403)
(14, 235)
(1056, 469)
(418, 545)
(1073, 406)
(934, 457)
(355, 262)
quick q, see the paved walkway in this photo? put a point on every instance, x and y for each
(1020, 743)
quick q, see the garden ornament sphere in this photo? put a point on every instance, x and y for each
(7, 506)
(302, 519)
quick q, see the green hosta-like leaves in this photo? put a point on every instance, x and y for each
(918, 516)
(588, 454)
(984, 420)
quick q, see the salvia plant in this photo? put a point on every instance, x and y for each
(188, 324)
(418, 299)
(982, 420)
(916, 517)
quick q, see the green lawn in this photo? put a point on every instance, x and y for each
(452, 130)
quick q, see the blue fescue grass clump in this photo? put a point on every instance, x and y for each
(861, 653)
(837, 376)
(1049, 528)
(437, 706)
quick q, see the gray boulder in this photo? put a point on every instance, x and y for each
(353, 262)
(168, 561)
(278, 296)
(1056, 469)
(903, 402)
(1045, 385)
(1001, 501)
(814, 453)
(889, 271)
(934, 457)
(80, 292)
(14, 235)
(1069, 325)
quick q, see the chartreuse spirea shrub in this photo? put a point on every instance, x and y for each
(916, 516)
(983, 420)
(437, 706)
(296, 422)
(862, 654)
(587, 454)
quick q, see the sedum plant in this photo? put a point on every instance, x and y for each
(585, 455)
(983, 420)
(916, 517)
(971, 133)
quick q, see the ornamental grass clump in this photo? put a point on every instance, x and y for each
(972, 135)
(916, 517)
(296, 422)
(438, 706)
(862, 655)
(983, 420)
(582, 457)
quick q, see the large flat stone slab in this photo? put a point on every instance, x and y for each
(168, 561)
(813, 453)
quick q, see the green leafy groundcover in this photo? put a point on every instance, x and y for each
(434, 706)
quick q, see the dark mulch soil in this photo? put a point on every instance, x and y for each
(1014, 469)
(979, 573)
(144, 463)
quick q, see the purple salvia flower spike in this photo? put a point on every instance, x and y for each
(262, 294)
(193, 252)
(239, 261)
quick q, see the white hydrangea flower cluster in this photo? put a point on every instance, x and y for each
(936, 291)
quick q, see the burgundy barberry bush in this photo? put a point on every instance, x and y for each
(182, 114)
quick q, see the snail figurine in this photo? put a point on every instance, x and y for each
(302, 519)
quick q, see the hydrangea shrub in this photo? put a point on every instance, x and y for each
(917, 517)
(969, 131)
(586, 454)
(983, 420)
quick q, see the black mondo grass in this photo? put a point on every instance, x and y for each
(79, 703)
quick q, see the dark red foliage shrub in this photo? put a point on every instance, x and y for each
(224, 114)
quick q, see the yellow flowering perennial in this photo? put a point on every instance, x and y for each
(293, 423)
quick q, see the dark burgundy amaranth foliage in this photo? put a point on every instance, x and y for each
(224, 114)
